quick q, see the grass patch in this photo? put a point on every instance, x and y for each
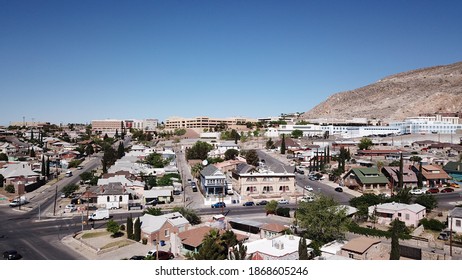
(95, 234)
(118, 244)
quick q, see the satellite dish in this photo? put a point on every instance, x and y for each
(205, 162)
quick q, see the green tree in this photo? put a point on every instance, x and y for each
(156, 160)
(130, 227)
(69, 189)
(283, 144)
(231, 154)
(109, 158)
(120, 150)
(343, 156)
(89, 149)
(302, 249)
(43, 166)
(420, 176)
(397, 229)
(153, 211)
(212, 248)
(113, 227)
(47, 171)
(415, 159)
(428, 201)
(239, 252)
(200, 151)
(10, 188)
(251, 157)
(271, 207)
(137, 230)
(270, 144)
(403, 196)
(86, 176)
(3, 157)
(189, 214)
(323, 219)
(1, 180)
(196, 170)
(297, 133)
(32, 152)
(365, 143)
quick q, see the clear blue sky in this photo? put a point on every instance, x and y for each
(74, 61)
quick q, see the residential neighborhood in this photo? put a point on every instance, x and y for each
(169, 191)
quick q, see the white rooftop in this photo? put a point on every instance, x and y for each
(394, 207)
(273, 247)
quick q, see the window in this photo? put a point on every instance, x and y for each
(407, 217)
(350, 255)
(166, 233)
(458, 223)
(267, 189)
(399, 214)
(283, 188)
(120, 198)
(283, 179)
(251, 189)
(107, 197)
(251, 179)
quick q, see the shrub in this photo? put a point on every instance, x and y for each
(122, 227)
(284, 212)
(432, 224)
(9, 189)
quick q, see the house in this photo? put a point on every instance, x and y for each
(433, 175)
(190, 241)
(387, 212)
(453, 167)
(19, 171)
(392, 174)
(113, 196)
(290, 144)
(332, 250)
(366, 179)
(455, 220)
(278, 181)
(424, 144)
(272, 230)
(229, 165)
(385, 154)
(160, 228)
(362, 248)
(284, 247)
(159, 195)
(212, 180)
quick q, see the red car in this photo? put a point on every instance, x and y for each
(446, 190)
(433, 190)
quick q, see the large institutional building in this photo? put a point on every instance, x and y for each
(110, 126)
(204, 122)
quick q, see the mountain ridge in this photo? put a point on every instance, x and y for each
(435, 89)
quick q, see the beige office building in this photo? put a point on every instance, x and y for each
(204, 122)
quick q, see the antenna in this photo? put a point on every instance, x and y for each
(205, 162)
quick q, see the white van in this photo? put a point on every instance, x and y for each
(68, 173)
(100, 214)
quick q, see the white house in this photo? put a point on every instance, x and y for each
(387, 212)
(113, 196)
(284, 247)
(455, 220)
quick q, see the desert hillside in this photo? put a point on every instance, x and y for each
(429, 90)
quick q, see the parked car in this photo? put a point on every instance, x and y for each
(307, 199)
(447, 190)
(283, 201)
(445, 234)
(219, 205)
(263, 202)
(11, 255)
(339, 189)
(432, 190)
(163, 255)
(80, 167)
(417, 191)
(455, 185)
(309, 188)
(249, 203)
(71, 207)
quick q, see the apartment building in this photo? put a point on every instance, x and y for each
(110, 126)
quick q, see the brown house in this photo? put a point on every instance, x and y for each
(160, 228)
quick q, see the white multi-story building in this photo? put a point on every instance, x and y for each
(110, 126)
(423, 125)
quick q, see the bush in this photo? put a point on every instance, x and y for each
(9, 189)
(432, 224)
(122, 227)
(355, 228)
(284, 212)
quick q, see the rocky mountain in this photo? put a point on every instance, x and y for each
(435, 89)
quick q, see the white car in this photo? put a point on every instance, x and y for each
(71, 207)
(307, 199)
(283, 201)
(417, 191)
(309, 188)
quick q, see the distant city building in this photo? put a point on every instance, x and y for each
(204, 122)
(436, 124)
(110, 126)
